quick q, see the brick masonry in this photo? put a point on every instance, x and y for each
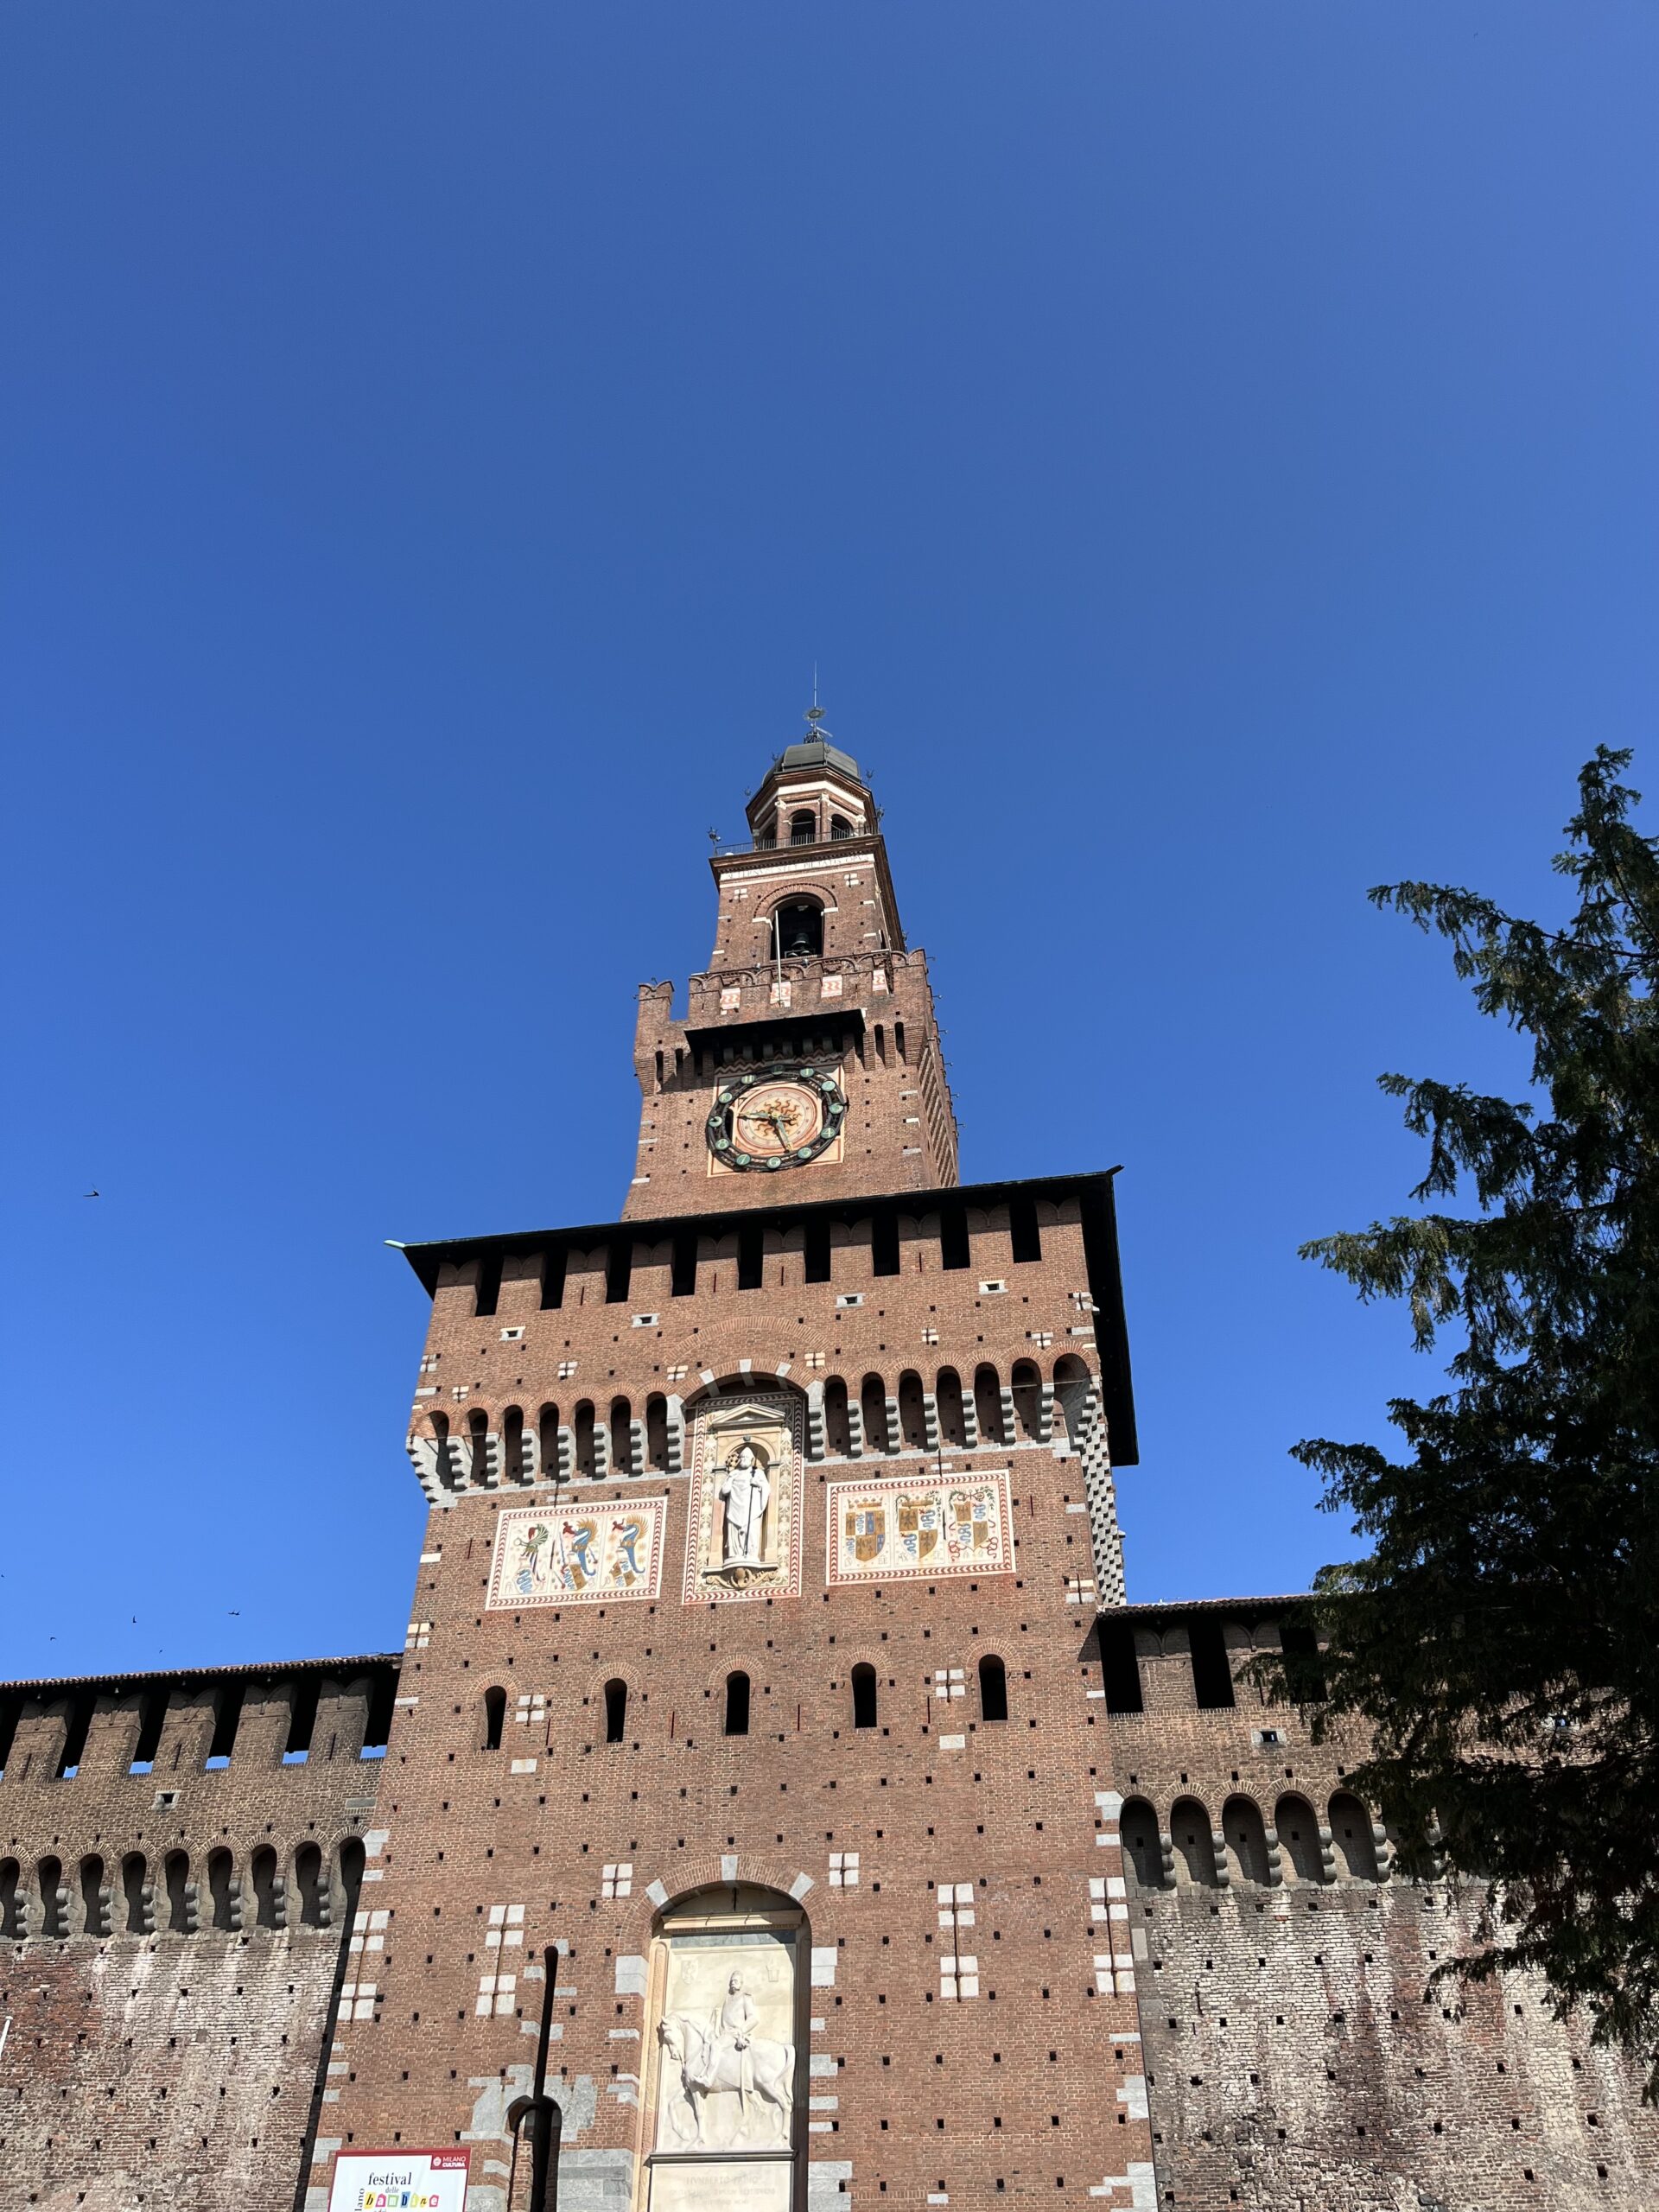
(1022, 1974)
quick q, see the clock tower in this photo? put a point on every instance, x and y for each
(808, 1053)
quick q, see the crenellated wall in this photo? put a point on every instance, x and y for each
(1299, 2057)
(180, 1859)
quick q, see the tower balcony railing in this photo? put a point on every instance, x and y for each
(721, 850)
(795, 967)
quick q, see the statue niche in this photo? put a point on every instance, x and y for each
(743, 1531)
(725, 2053)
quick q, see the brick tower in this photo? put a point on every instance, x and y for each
(771, 1661)
(811, 985)
(748, 1664)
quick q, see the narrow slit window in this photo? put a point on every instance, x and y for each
(817, 1251)
(495, 1713)
(864, 1695)
(616, 1711)
(993, 1689)
(737, 1704)
(750, 1249)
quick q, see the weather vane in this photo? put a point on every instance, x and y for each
(815, 712)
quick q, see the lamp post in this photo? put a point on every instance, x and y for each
(546, 2120)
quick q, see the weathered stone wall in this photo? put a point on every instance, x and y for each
(172, 1921)
(171, 2071)
(1299, 2059)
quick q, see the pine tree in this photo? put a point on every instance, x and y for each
(1500, 1640)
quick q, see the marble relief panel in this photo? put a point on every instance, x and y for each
(919, 1528)
(582, 1554)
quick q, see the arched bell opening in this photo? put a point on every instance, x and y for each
(797, 929)
(726, 2064)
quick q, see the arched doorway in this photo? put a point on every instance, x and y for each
(726, 2102)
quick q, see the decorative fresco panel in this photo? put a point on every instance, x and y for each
(743, 1531)
(908, 1529)
(578, 1554)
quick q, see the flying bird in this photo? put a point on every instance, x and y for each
(89, 1194)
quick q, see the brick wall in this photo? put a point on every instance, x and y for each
(936, 1837)
(156, 2067)
(1299, 2057)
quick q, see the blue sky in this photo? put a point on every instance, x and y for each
(1210, 451)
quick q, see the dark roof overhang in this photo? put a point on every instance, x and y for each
(1092, 1190)
(791, 1032)
(260, 1671)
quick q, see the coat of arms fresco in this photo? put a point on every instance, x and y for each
(888, 1531)
(743, 1529)
(548, 1555)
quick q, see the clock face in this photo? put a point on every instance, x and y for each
(781, 1119)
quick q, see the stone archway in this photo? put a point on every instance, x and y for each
(725, 2062)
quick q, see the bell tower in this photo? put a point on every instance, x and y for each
(809, 1056)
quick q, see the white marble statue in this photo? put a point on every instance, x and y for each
(745, 1491)
(733, 2058)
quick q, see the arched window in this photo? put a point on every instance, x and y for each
(13, 1906)
(1298, 1838)
(478, 1446)
(737, 1704)
(621, 1436)
(495, 1713)
(988, 1405)
(54, 1915)
(1027, 1397)
(135, 1891)
(657, 1432)
(547, 1436)
(314, 1894)
(95, 1902)
(804, 828)
(797, 929)
(512, 1445)
(953, 1433)
(180, 1896)
(1195, 1850)
(584, 1439)
(1247, 1840)
(448, 1456)
(837, 1438)
(616, 1711)
(1072, 1383)
(1352, 1839)
(993, 1689)
(863, 1695)
(351, 1876)
(872, 1404)
(840, 826)
(1143, 1858)
(913, 1414)
(268, 1897)
(222, 1889)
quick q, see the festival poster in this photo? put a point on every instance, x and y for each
(399, 2181)
(577, 1553)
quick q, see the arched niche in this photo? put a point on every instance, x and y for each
(726, 2102)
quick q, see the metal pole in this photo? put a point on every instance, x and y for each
(546, 2120)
